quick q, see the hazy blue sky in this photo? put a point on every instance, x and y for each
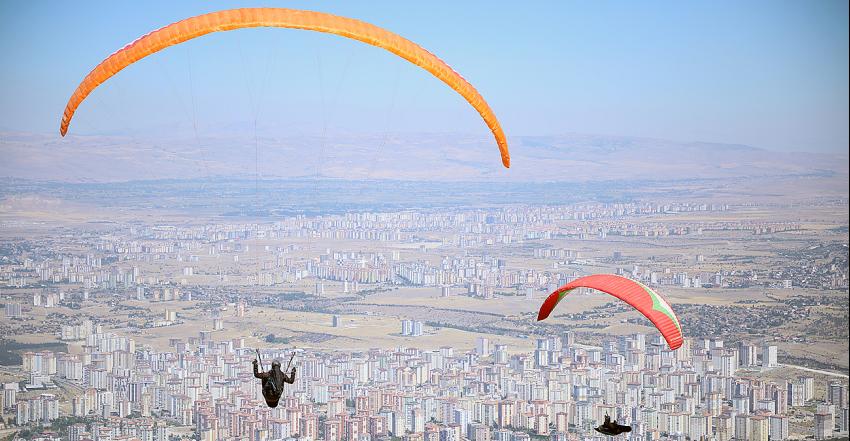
(772, 74)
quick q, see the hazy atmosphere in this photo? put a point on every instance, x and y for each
(771, 75)
(436, 221)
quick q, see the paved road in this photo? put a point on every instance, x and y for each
(817, 371)
(65, 383)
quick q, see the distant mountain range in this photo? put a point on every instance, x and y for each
(435, 157)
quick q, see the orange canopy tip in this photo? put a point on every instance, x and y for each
(197, 26)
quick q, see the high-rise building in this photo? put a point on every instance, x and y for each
(808, 387)
(417, 420)
(482, 346)
(13, 310)
(76, 432)
(747, 354)
(699, 426)
(332, 429)
(769, 354)
(500, 354)
(780, 397)
(725, 428)
(759, 429)
(824, 426)
(505, 413)
(450, 433)
(568, 338)
(742, 426)
(412, 328)
(837, 394)
(778, 427)
(541, 358)
(796, 394)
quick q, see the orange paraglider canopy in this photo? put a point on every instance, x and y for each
(227, 20)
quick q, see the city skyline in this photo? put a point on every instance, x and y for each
(187, 302)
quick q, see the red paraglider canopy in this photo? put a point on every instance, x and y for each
(645, 300)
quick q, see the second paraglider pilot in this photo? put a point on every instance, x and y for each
(611, 428)
(273, 382)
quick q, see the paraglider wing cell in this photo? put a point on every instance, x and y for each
(231, 19)
(645, 300)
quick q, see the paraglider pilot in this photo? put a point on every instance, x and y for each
(611, 428)
(273, 382)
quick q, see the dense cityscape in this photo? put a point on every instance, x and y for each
(702, 391)
(154, 327)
